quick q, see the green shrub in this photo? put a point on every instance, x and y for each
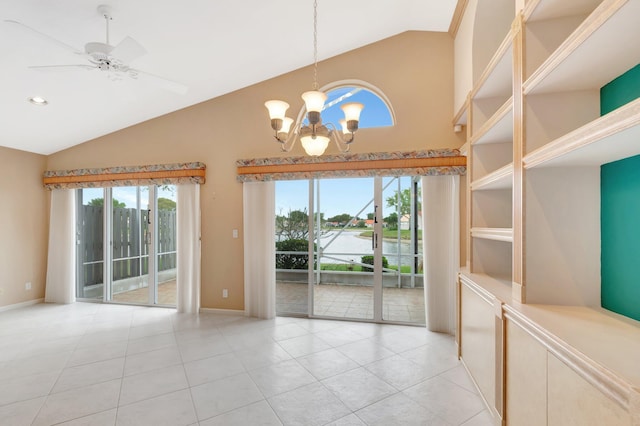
(369, 261)
(292, 261)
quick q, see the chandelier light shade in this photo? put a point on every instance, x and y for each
(314, 100)
(314, 136)
(277, 109)
(314, 145)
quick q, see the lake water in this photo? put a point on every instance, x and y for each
(350, 246)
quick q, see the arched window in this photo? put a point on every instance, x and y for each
(377, 110)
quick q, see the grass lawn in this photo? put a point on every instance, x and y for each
(343, 267)
(405, 234)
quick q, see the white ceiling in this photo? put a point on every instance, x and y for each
(212, 46)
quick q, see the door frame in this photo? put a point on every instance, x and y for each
(149, 238)
(376, 246)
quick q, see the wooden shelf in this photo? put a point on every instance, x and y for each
(500, 179)
(499, 128)
(464, 149)
(539, 10)
(461, 116)
(610, 35)
(487, 286)
(496, 234)
(496, 79)
(609, 138)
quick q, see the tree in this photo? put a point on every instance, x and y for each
(405, 201)
(99, 202)
(392, 221)
(166, 204)
(292, 226)
(342, 219)
(370, 216)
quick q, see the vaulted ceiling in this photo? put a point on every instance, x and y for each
(209, 47)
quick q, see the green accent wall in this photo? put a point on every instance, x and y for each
(620, 211)
(620, 91)
(620, 226)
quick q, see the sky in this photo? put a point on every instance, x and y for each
(337, 196)
(374, 114)
(127, 195)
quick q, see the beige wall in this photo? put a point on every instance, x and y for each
(414, 69)
(23, 226)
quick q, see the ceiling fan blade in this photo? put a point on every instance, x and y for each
(47, 37)
(61, 67)
(128, 50)
(162, 82)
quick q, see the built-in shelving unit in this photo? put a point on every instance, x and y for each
(501, 178)
(491, 174)
(495, 80)
(608, 138)
(499, 128)
(603, 47)
(536, 144)
(496, 234)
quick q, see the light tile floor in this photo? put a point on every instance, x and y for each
(97, 364)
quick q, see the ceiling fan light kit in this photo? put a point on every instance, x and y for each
(38, 100)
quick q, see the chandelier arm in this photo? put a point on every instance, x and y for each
(287, 143)
(343, 144)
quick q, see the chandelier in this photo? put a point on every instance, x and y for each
(315, 135)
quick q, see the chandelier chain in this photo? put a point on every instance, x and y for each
(315, 45)
(313, 134)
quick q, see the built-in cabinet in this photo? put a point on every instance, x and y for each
(529, 298)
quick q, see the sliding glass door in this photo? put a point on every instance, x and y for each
(132, 245)
(403, 286)
(345, 280)
(366, 246)
(90, 247)
(138, 263)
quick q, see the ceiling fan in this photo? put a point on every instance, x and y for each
(112, 60)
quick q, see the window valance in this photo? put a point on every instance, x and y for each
(158, 174)
(433, 162)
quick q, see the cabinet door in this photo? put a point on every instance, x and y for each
(479, 342)
(526, 378)
(574, 401)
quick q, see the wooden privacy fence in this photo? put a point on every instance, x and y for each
(129, 233)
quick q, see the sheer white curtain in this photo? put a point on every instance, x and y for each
(61, 260)
(441, 249)
(188, 248)
(259, 249)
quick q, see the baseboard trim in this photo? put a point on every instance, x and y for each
(21, 304)
(234, 312)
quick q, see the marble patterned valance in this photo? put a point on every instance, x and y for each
(431, 162)
(158, 174)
